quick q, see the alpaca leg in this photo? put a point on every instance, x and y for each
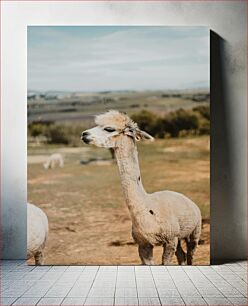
(191, 247)
(169, 250)
(146, 254)
(180, 254)
(192, 243)
(39, 258)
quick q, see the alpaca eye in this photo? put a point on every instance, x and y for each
(109, 129)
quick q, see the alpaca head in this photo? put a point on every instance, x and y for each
(110, 128)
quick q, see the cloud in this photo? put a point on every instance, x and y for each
(114, 58)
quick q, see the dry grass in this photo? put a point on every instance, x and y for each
(89, 222)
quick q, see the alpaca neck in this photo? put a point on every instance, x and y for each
(127, 159)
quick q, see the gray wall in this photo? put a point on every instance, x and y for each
(226, 19)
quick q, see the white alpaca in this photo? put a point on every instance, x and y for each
(54, 159)
(161, 218)
(37, 233)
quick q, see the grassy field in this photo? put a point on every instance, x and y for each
(89, 221)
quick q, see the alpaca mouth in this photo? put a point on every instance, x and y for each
(85, 139)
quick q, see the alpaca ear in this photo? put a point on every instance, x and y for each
(144, 136)
(129, 132)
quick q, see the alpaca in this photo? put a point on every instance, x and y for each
(37, 233)
(161, 218)
(53, 159)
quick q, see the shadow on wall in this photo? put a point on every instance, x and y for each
(226, 242)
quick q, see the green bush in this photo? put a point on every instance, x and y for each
(203, 110)
(180, 120)
(73, 132)
(204, 126)
(36, 129)
(57, 134)
(146, 120)
(175, 124)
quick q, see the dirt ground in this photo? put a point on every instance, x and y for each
(88, 219)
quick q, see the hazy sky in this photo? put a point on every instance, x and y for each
(94, 58)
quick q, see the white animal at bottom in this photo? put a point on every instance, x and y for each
(54, 159)
(37, 233)
(160, 218)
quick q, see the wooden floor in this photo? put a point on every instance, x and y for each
(123, 285)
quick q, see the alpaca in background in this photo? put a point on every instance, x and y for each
(54, 159)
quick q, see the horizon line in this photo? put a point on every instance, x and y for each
(118, 90)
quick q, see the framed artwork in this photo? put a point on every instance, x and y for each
(118, 145)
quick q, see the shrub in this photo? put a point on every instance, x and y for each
(175, 124)
(36, 129)
(57, 134)
(204, 126)
(204, 111)
(146, 121)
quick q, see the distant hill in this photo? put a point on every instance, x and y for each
(64, 106)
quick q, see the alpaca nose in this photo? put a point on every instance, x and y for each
(84, 137)
(84, 134)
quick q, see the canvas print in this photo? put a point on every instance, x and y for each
(118, 145)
